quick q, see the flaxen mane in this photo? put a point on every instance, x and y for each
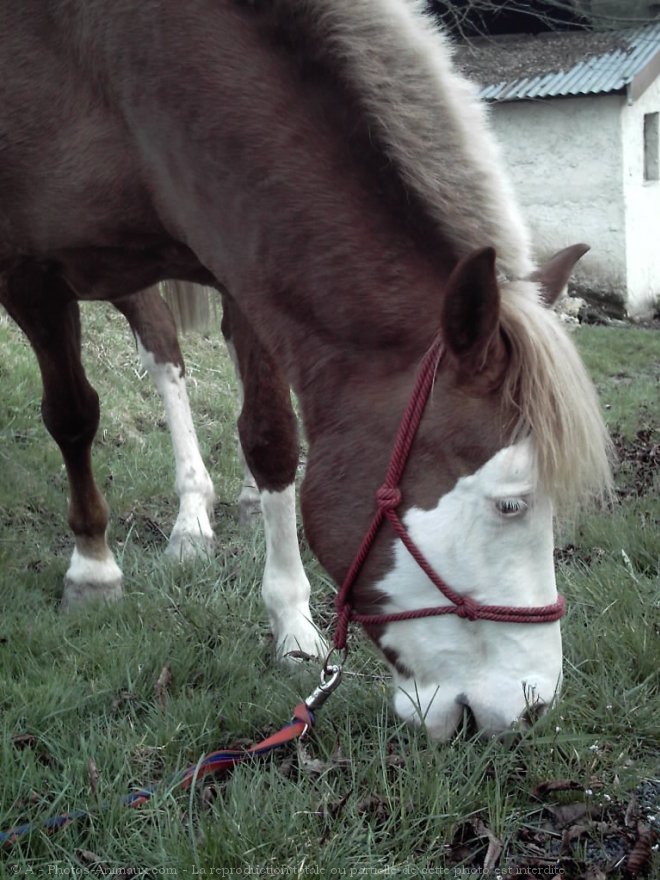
(428, 119)
(556, 399)
(433, 127)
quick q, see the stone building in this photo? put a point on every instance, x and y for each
(577, 114)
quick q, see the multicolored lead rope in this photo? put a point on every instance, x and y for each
(214, 763)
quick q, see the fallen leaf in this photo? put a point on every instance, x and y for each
(22, 741)
(123, 698)
(308, 764)
(91, 860)
(640, 854)
(551, 785)
(373, 806)
(566, 814)
(163, 683)
(93, 776)
(633, 812)
(494, 850)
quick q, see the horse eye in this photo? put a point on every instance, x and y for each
(511, 506)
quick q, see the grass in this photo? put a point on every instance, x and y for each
(367, 796)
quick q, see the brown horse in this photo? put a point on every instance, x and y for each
(323, 163)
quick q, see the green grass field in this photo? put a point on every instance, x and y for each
(365, 796)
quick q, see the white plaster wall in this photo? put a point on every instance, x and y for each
(565, 159)
(642, 200)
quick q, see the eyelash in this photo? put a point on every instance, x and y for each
(510, 507)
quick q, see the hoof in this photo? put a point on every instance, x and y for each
(186, 546)
(295, 649)
(79, 595)
(90, 579)
(249, 512)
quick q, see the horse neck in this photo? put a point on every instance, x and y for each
(343, 320)
(335, 281)
(272, 183)
(333, 284)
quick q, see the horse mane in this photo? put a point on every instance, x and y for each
(427, 118)
(432, 126)
(549, 387)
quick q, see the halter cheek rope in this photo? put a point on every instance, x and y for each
(388, 498)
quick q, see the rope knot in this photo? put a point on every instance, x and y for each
(388, 497)
(467, 610)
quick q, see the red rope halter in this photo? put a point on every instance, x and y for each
(388, 498)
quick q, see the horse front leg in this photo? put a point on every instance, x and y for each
(45, 309)
(249, 499)
(269, 439)
(155, 332)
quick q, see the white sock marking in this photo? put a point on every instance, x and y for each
(88, 579)
(192, 530)
(285, 586)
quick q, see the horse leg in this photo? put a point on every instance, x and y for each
(155, 332)
(45, 309)
(249, 500)
(269, 439)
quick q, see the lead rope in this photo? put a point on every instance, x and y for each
(215, 763)
(388, 498)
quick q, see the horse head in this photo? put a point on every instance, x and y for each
(457, 588)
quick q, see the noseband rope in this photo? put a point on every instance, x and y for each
(388, 499)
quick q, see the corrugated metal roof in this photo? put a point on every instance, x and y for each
(566, 63)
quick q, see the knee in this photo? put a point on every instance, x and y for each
(72, 419)
(270, 450)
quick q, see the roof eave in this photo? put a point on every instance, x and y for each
(643, 79)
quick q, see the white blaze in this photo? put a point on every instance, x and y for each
(497, 669)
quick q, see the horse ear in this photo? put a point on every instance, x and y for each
(553, 275)
(470, 312)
